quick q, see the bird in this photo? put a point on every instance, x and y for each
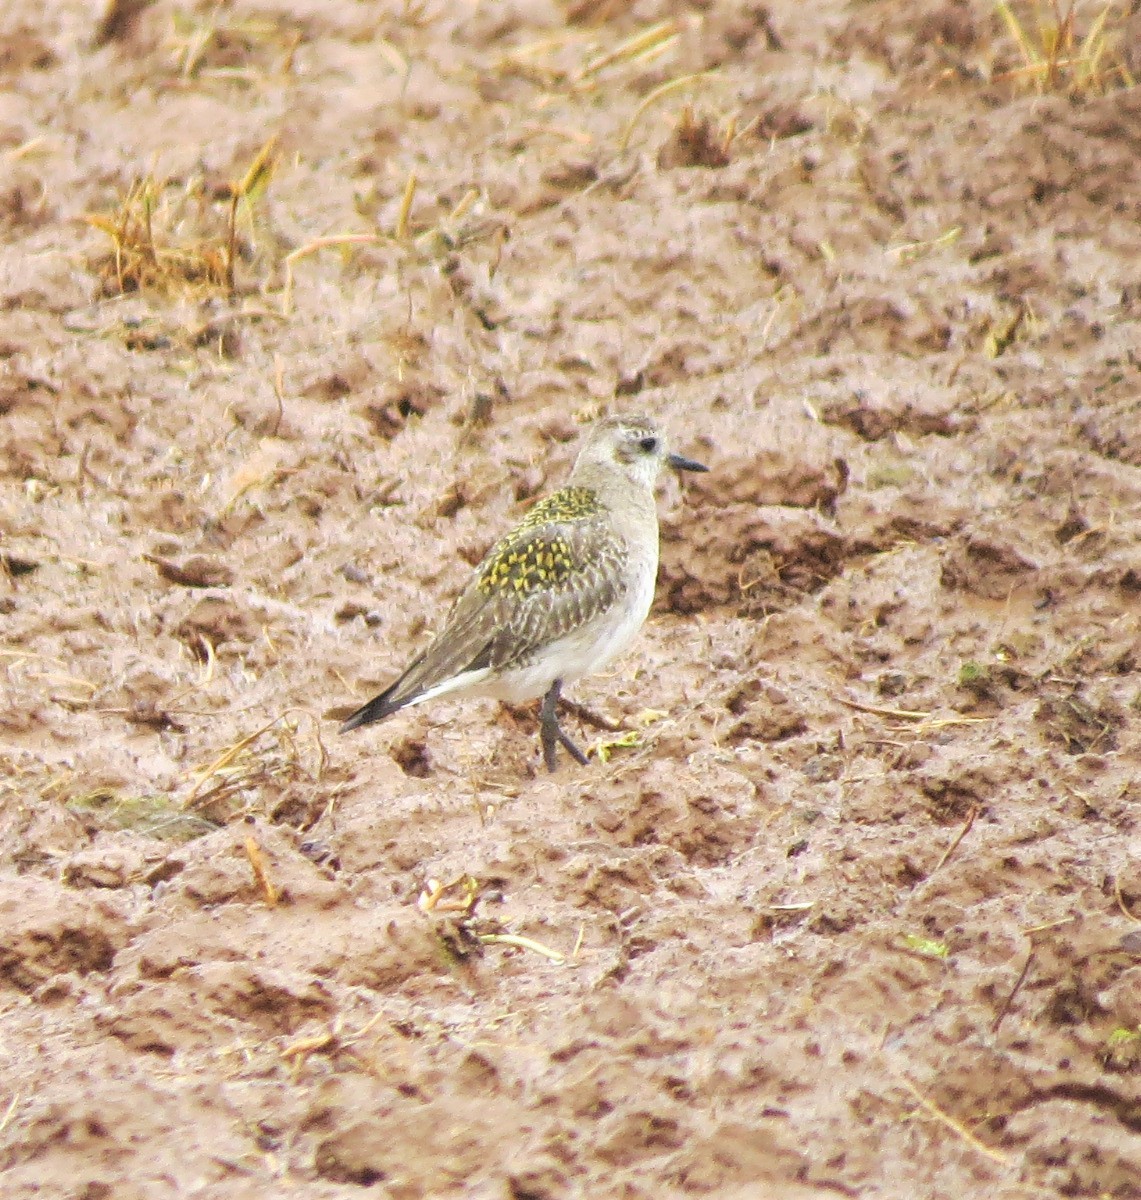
(557, 598)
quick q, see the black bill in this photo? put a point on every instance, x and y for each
(681, 463)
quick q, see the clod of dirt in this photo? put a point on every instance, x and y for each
(987, 566)
(740, 556)
(412, 756)
(49, 929)
(1082, 727)
(696, 142)
(873, 419)
(368, 1150)
(220, 622)
(388, 416)
(764, 476)
(196, 571)
(105, 866)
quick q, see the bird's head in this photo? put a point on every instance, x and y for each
(633, 447)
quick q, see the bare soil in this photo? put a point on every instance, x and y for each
(302, 303)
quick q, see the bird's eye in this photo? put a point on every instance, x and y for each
(649, 444)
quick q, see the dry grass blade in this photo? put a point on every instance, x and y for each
(331, 241)
(1045, 928)
(1000, 337)
(1000, 1016)
(454, 230)
(1014, 28)
(225, 760)
(665, 89)
(259, 864)
(246, 192)
(1054, 58)
(956, 1127)
(641, 46)
(141, 260)
(908, 251)
(457, 895)
(946, 856)
(10, 1111)
(27, 149)
(522, 943)
(535, 60)
(1121, 902)
(902, 714)
(262, 773)
(461, 227)
(401, 230)
(334, 1040)
(222, 45)
(308, 1045)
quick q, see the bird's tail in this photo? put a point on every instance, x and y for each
(376, 709)
(444, 667)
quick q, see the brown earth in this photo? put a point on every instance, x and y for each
(855, 908)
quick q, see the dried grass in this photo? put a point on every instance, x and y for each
(272, 772)
(1057, 58)
(155, 243)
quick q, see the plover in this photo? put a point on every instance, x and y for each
(560, 596)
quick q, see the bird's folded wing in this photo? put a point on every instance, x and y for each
(536, 585)
(587, 578)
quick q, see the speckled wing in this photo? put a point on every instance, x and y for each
(582, 575)
(555, 572)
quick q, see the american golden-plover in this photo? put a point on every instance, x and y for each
(560, 596)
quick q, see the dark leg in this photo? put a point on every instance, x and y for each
(549, 732)
(589, 716)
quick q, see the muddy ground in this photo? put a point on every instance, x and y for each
(850, 903)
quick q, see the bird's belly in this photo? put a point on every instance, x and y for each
(582, 652)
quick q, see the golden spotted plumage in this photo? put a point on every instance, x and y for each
(567, 504)
(536, 554)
